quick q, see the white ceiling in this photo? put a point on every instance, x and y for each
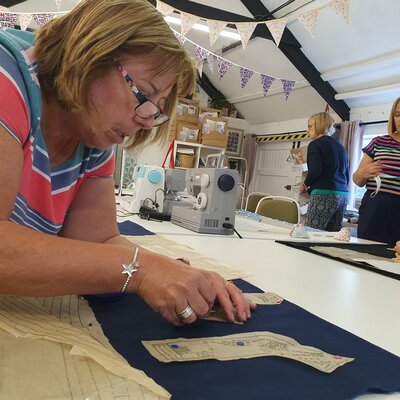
(361, 60)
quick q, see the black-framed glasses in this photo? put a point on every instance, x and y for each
(146, 109)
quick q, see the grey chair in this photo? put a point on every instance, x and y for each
(279, 207)
(252, 200)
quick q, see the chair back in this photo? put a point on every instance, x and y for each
(252, 200)
(279, 207)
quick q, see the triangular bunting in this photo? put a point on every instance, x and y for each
(341, 7)
(58, 4)
(287, 87)
(266, 81)
(8, 20)
(245, 75)
(180, 37)
(164, 9)
(24, 21)
(199, 65)
(200, 53)
(223, 67)
(43, 18)
(211, 60)
(309, 20)
(276, 27)
(245, 31)
(215, 27)
(187, 20)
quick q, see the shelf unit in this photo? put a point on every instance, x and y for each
(199, 150)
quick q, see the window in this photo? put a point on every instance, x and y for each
(370, 132)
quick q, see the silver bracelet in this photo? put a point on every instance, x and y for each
(130, 269)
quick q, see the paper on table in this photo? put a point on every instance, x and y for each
(246, 345)
(389, 266)
(172, 249)
(34, 346)
(269, 298)
(346, 253)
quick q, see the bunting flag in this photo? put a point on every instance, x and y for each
(24, 21)
(341, 7)
(245, 31)
(276, 27)
(43, 18)
(245, 75)
(223, 67)
(200, 52)
(8, 20)
(58, 4)
(215, 28)
(164, 9)
(266, 81)
(199, 66)
(309, 20)
(187, 21)
(180, 37)
(211, 60)
(287, 87)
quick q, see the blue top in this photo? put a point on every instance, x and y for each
(328, 166)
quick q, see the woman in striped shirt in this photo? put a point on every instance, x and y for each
(379, 170)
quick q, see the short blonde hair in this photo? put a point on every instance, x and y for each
(73, 49)
(323, 122)
(391, 125)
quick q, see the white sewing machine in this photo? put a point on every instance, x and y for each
(148, 186)
(215, 190)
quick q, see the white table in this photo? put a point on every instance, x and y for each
(363, 302)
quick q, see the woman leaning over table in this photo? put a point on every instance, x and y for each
(327, 178)
(379, 170)
(107, 71)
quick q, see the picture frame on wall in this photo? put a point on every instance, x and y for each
(235, 142)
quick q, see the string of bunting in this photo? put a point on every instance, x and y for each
(246, 29)
(203, 55)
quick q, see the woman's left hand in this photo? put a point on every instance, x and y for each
(230, 297)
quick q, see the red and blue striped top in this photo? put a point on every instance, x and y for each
(387, 151)
(45, 193)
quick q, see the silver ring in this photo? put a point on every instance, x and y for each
(186, 313)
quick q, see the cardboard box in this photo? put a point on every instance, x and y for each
(187, 132)
(214, 131)
(210, 112)
(187, 110)
(299, 155)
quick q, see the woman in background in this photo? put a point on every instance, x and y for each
(327, 178)
(379, 170)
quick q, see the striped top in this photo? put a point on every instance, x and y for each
(387, 151)
(45, 193)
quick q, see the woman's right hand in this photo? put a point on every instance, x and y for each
(370, 170)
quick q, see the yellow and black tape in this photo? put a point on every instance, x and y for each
(293, 136)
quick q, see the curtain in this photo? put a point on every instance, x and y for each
(249, 153)
(350, 135)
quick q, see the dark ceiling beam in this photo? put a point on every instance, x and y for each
(302, 63)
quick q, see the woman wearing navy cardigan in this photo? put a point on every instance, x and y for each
(328, 176)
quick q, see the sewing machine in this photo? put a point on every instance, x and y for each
(215, 190)
(175, 184)
(148, 186)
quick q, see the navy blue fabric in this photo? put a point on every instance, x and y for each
(327, 163)
(132, 229)
(380, 250)
(129, 321)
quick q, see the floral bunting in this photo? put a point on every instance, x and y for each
(181, 38)
(8, 20)
(287, 87)
(187, 21)
(43, 18)
(24, 21)
(211, 60)
(309, 20)
(267, 82)
(200, 53)
(245, 75)
(199, 66)
(245, 31)
(58, 4)
(223, 67)
(276, 27)
(164, 9)
(341, 7)
(215, 28)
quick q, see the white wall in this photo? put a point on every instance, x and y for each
(378, 112)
